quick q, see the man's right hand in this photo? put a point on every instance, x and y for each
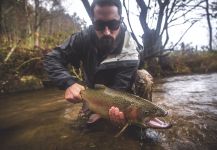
(72, 93)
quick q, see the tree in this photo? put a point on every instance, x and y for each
(170, 13)
(207, 8)
(214, 16)
(20, 20)
(37, 23)
(41, 14)
(1, 18)
(6, 8)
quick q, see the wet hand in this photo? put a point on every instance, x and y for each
(72, 93)
(116, 116)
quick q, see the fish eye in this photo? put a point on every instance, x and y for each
(145, 112)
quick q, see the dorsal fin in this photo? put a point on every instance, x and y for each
(99, 86)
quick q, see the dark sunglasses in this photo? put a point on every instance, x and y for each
(100, 25)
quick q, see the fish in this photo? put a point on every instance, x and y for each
(136, 110)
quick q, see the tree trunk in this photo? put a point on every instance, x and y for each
(28, 25)
(209, 25)
(37, 24)
(87, 7)
(1, 26)
(50, 27)
(1, 20)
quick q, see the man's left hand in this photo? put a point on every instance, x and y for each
(116, 116)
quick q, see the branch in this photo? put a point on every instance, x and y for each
(143, 14)
(11, 51)
(28, 61)
(128, 19)
(184, 22)
(127, 12)
(87, 7)
(8, 10)
(166, 27)
(14, 47)
(185, 33)
(172, 8)
(167, 38)
(161, 14)
(172, 20)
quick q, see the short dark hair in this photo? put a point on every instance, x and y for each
(107, 2)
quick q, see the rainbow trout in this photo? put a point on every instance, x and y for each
(136, 110)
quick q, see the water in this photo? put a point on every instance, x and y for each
(43, 120)
(192, 103)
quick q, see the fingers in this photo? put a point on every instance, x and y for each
(81, 87)
(116, 116)
(72, 93)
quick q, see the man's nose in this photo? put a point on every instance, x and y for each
(106, 31)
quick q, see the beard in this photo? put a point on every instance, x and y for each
(106, 44)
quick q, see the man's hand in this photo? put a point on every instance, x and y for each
(72, 93)
(116, 116)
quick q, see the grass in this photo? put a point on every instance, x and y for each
(187, 63)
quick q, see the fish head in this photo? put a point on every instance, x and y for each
(149, 117)
(152, 110)
(159, 112)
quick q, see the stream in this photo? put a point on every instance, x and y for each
(43, 120)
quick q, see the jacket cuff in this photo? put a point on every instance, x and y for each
(67, 84)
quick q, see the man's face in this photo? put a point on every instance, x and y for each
(107, 25)
(107, 17)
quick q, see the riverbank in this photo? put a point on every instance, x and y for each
(184, 63)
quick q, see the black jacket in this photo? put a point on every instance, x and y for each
(115, 70)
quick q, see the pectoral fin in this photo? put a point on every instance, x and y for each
(122, 130)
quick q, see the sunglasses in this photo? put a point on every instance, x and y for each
(100, 25)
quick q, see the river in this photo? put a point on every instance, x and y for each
(42, 120)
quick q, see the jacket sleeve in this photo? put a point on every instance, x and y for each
(56, 61)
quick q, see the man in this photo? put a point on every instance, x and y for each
(107, 52)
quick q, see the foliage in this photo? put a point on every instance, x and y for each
(13, 70)
(20, 23)
(21, 20)
(180, 62)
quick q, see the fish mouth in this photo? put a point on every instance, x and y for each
(157, 123)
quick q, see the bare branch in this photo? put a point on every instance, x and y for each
(184, 14)
(184, 22)
(161, 14)
(87, 7)
(128, 19)
(185, 33)
(172, 8)
(143, 14)
(167, 38)
(127, 12)
(14, 47)
(166, 27)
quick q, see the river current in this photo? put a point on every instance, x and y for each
(42, 120)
